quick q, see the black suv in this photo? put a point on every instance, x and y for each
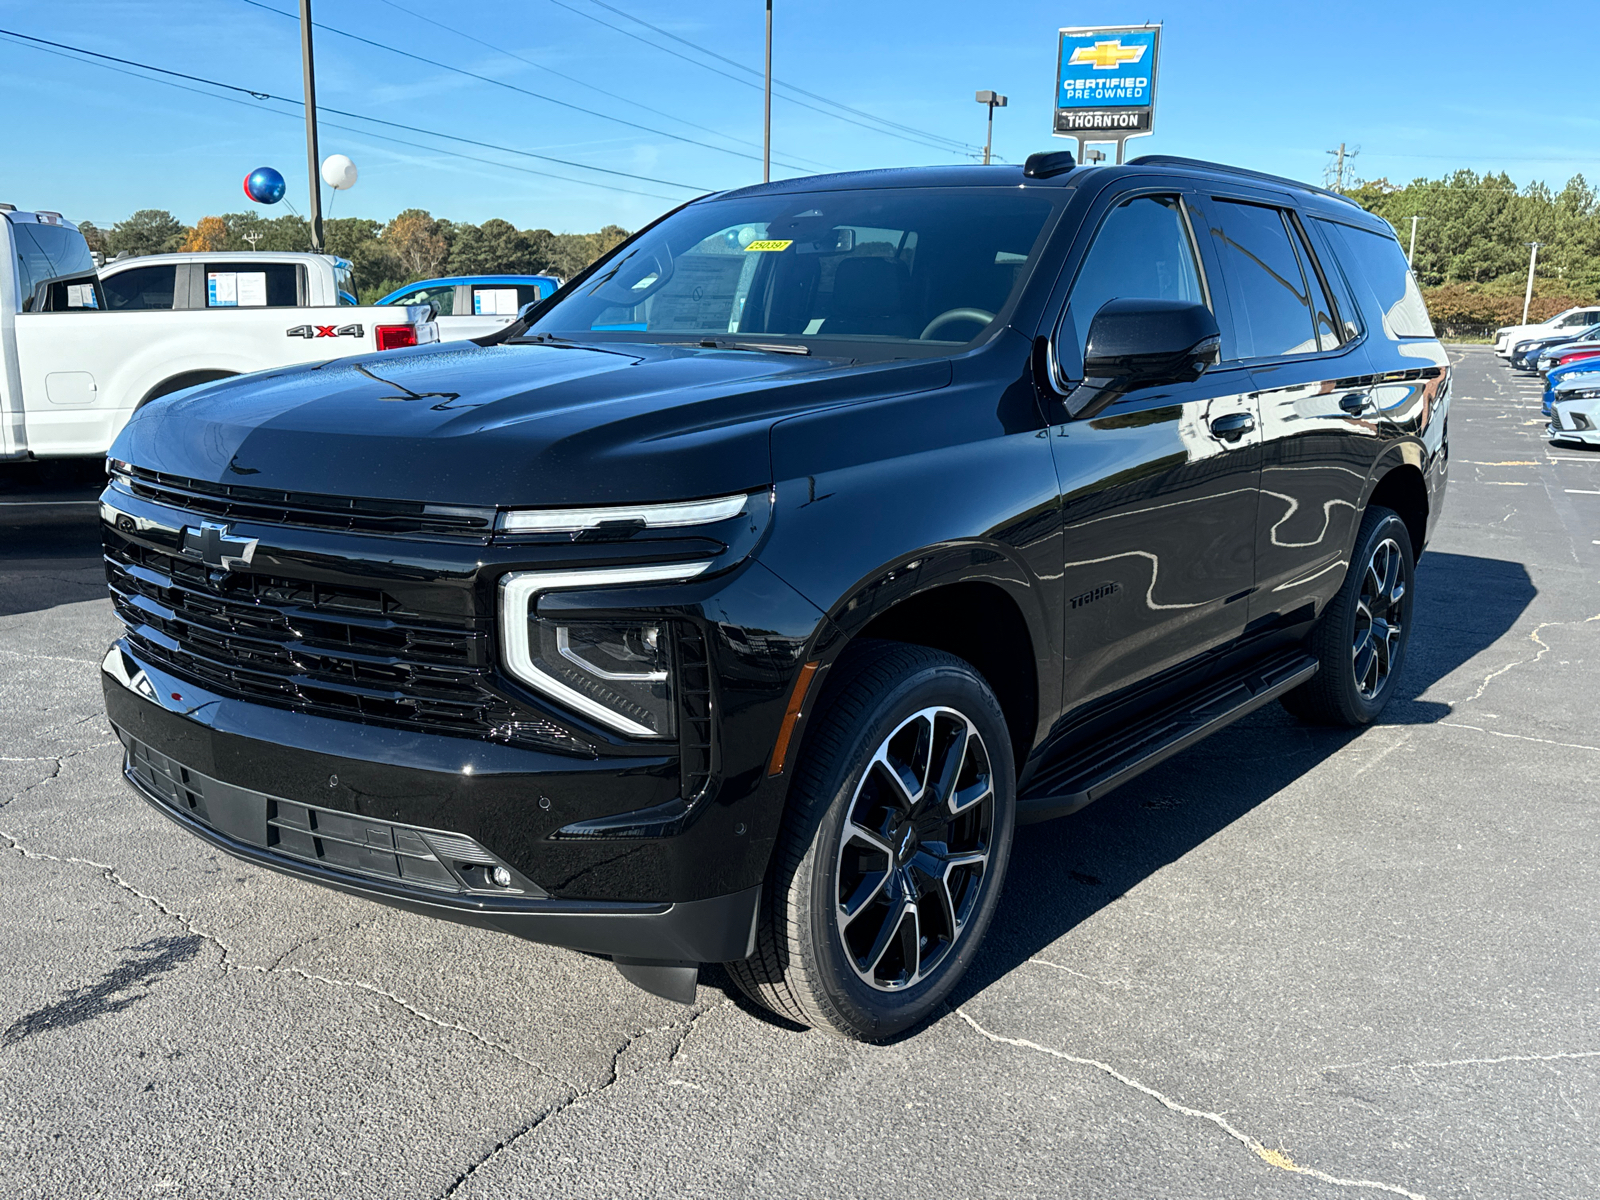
(737, 602)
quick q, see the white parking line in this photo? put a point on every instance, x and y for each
(1582, 492)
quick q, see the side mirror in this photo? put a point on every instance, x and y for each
(1136, 344)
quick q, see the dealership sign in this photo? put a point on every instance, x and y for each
(1106, 82)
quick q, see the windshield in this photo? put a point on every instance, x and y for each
(897, 270)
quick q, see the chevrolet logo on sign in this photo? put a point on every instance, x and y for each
(1107, 56)
(215, 545)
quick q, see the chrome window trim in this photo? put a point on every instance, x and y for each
(519, 596)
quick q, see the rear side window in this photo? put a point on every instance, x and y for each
(252, 285)
(345, 284)
(444, 295)
(505, 299)
(46, 255)
(1381, 264)
(1267, 287)
(140, 287)
(1142, 252)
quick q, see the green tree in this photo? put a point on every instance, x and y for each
(148, 231)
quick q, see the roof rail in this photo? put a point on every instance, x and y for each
(1173, 160)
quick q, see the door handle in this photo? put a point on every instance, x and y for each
(1353, 402)
(1232, 427)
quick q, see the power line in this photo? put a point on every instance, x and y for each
(922, 133)
(433, 62)
(321, 108)
(740, 79)
(585, 83)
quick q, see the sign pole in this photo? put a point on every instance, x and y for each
(309, 72)
(1411, 253)
(766, 120)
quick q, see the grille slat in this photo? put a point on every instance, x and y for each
(399, 518)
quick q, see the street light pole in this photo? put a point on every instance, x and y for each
(311, 124)
(994, 100)
(1411, 253)
(1527, 299)
(766, 122)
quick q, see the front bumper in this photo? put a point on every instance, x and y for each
(381, 831)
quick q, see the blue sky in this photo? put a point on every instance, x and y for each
(1421, 88)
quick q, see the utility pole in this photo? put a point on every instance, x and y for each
(1527, 299)
(311, 124)
(994, 100)
(1338, 177)
(1411, 253)
(766, 122)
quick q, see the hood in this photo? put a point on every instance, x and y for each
(459, 423)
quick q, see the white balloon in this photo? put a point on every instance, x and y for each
(338, 172)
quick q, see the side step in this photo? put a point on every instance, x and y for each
(1084, 775)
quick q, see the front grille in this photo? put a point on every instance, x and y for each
(402, 854)
(309, 510)
(352, 653)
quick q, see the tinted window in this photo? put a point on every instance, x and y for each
(928, 267)
(1322, 311)
(1266, 287)
(140, 287)
(1142, 252)
(48, 254)
(252, 285)
(1338, 285)
(1381, 265)
(444, 295)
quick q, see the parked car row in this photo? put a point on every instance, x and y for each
(1566, 351)
(82, 349)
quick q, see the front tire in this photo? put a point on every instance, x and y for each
(893, 850)
(1361, 637)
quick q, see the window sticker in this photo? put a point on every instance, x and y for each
(252, 289)
(81, 295)
(769, 245)
(495, 302)
(236, 289)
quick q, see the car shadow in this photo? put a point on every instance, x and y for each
(1062, 872)
(50, 534)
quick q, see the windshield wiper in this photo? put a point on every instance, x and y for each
(757, 347)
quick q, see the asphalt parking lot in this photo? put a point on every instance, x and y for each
(1291, 962)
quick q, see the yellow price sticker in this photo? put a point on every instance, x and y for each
(771, 245)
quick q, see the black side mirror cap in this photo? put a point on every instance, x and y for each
(1135, 344)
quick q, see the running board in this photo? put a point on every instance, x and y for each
(1083, 776)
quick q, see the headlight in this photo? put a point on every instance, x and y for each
(618, 672)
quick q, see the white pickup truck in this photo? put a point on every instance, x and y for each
(73, 368)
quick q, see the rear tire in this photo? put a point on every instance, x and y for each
(893, 850)
(1361, 637)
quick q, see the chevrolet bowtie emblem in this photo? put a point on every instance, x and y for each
(214, 545)
(1106, 56)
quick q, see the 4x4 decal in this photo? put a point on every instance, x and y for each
(316, 331)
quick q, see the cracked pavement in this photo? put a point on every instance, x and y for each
(1291, 962)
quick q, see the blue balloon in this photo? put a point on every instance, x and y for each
(264, 185)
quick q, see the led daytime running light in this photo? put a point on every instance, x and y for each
(651, 516)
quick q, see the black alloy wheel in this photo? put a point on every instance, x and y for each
(1360, 640)
(894, 846)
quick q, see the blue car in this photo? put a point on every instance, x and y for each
(473, 305)
(1587, 366)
